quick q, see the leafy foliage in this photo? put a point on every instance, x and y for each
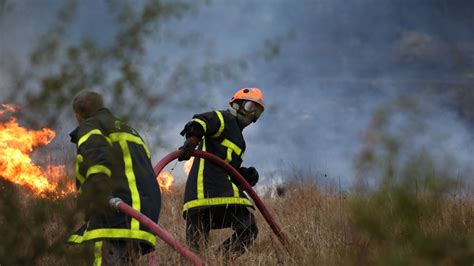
(402, 216)
(34, 230)
(132, 65)
(61, 66)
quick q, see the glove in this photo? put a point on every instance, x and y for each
(250, 174)
(193, 129)
(188, 148)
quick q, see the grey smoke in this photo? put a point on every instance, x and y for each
(342, 61)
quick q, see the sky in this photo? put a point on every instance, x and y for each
(338, 61)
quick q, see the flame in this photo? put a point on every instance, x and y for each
(165, 180)
(16, 145)
(187, 166)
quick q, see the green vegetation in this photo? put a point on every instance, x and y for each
(407, 209)
(34, 229)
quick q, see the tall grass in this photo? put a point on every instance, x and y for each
(407, 209)
(388, 226)
(392, 225)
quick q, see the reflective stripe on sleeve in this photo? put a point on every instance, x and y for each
(98, 168)
(79, 177)
(221, 127)
(201, 122)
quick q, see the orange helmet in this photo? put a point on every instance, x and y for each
(250, 94)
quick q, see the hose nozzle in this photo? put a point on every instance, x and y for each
(114, 202)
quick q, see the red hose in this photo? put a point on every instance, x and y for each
(237, 176)
(118, 204)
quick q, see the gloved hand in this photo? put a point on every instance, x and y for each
(250, 174)
(188, 148)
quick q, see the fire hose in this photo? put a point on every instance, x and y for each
(119, 205)
(238, 177)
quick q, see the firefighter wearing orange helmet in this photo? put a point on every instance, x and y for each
(212, 200)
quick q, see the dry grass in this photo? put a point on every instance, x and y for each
(385, 227)
(324, 228)
(314, 222)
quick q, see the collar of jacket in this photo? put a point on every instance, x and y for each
(74, 134)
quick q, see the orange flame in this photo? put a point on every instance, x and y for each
(187, 165)
(16, 145)
(165, 180)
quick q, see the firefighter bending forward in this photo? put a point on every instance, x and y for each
(212, 199)
(112, 161)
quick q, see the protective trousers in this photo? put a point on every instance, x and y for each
(110, 252)
(200, 221)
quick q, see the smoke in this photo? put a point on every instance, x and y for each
(330, 65)
(346, 59)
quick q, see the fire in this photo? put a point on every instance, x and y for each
(165, 180)
(187, 166)
(16, 145)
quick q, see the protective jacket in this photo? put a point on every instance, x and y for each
(209, 184)
(108, 149)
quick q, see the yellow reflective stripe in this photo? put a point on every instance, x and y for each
(98, 168)
(231, 147)
(89, 134)
(216, 201)
(113, 233)
(202, 123)
(221, 127)
(200, 179)
(229, 144)
(234, 187)
(132, 184)
(98, 253)
(229, 155)
(124, 136)
(79, 160)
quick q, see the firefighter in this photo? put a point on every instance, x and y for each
(112, 161)
(212, 199)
